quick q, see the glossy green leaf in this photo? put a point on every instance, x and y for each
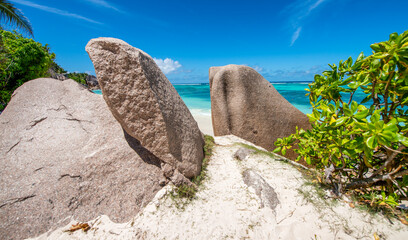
(375, 64)
(277, 150)
(375, 47)
(361, 114)
(371, 142)
(340, 121)
(360, 57)
(393, 36)
(402, 139)
(353, 106)
(375, 118)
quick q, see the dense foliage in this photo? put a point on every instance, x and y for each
(79, 77)
(57, 68)
(21, 59)
(360, 145)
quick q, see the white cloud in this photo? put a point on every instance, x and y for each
(255, 67)
(295, 35)
(167, 65)
(315, 5)
(258, 68)
(53, 10)
(298, 12)
(103, 3)
(294, 74)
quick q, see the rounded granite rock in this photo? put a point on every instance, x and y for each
(146, 104)
(245, 104)
(63, 155)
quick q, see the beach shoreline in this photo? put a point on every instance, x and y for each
(204, 122)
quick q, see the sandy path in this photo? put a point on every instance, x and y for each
(225, 208)
(204, 123)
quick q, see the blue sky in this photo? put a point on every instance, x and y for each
(283, 40)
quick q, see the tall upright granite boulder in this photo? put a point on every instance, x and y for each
(62, 155)
(245, 104)
(147, 105)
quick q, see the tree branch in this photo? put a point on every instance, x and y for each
(389, 161)
(365, 183)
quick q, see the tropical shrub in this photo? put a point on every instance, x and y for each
(57, 68)
(21, 59)
(360, 144)
(78, 77)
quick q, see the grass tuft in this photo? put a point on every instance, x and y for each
(184, 193)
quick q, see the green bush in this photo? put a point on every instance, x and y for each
(78, 77)
(360, 145)
(57, 68)
(21, 59)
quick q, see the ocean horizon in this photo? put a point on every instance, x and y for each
(198, 100)
(197, 95)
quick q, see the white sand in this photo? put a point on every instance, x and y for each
(204, 123)
(225, 208)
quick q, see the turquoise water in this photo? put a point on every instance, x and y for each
(198, 100)
(197, 97)
(295, 94)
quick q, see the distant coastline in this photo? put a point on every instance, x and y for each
(280, 82)
(197, 96)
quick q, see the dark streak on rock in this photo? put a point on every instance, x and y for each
(62, 106)
(98, 203)
(79, 121)
(16, 200)
(52, 203)
(35, 122)
(13, 146)
(67, 175)
(38, 169)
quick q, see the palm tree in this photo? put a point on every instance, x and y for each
(11, 15)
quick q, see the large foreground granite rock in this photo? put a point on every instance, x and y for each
(147, 105)
(63, 154)
(244, 104)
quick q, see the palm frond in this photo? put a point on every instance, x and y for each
(12, 15)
